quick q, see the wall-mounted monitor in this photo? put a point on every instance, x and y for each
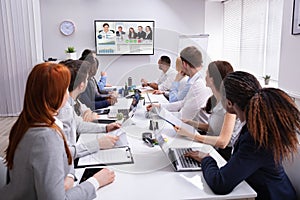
(124, 37)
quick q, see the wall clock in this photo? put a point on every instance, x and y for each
(67, 27)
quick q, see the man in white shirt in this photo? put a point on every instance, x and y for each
(167, 77)
(106, 29)
(179, 87)
(106, 35)
(196, 98)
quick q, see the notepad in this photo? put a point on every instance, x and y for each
(115, 156)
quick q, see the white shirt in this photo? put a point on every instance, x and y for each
(108, 32)
(166, 79)
(195, 99)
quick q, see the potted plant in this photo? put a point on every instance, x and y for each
(267, 79)
(71, 53)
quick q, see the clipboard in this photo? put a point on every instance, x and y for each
(114, 156)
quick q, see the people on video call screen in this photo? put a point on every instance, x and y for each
(117, 37)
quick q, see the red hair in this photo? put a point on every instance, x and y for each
(46, 86)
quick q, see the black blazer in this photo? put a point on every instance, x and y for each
(132, 36)
(250, 163)
(149, 36)
(119, 34)
(141, 35)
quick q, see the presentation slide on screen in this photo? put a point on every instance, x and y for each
(124, 37)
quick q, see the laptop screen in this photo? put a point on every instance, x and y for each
(135, 100)
(161, 142)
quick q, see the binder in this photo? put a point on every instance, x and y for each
(114, 156)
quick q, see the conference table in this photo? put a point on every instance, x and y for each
(151, 176)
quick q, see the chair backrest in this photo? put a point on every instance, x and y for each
(292, 170)
(3, 172)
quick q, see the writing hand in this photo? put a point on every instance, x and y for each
(107, 141)
(112, 126)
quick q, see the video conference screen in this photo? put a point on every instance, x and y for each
(117, 37)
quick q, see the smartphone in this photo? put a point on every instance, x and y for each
(89, 172)
(106, 121)
(102, 111)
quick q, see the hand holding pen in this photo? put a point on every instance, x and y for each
(151, 106)
(184, 132)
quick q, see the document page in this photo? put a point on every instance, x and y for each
(119, 155)
(170, 118)
(122, 137)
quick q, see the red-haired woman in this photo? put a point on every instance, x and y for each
(38, 157)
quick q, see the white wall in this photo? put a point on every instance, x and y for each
(289, 70)
(172, 17)
(214, 12)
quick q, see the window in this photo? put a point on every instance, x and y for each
(252, 35)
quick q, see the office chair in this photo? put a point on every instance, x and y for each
(292, 170)
(3, 173)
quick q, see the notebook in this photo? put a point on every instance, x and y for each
(127, 112)
(179, 162)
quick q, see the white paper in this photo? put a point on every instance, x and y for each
(122, 137)
(144, 89)
(166, 115)
(107, 156)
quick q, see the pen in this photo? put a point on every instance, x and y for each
(169, 122)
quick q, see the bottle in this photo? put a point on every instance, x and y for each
(126, 90)
(129, 81)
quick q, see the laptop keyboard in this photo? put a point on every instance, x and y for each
(124, 111)
(186, 162)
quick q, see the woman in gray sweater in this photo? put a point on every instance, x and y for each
(38, 157)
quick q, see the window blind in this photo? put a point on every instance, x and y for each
(252, 32)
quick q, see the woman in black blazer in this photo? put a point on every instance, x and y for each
(148, 33)
(132, 34)
(269, 135)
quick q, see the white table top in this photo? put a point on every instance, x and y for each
(152, 177)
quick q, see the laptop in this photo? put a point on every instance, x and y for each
(127, 112)
(179, 162)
